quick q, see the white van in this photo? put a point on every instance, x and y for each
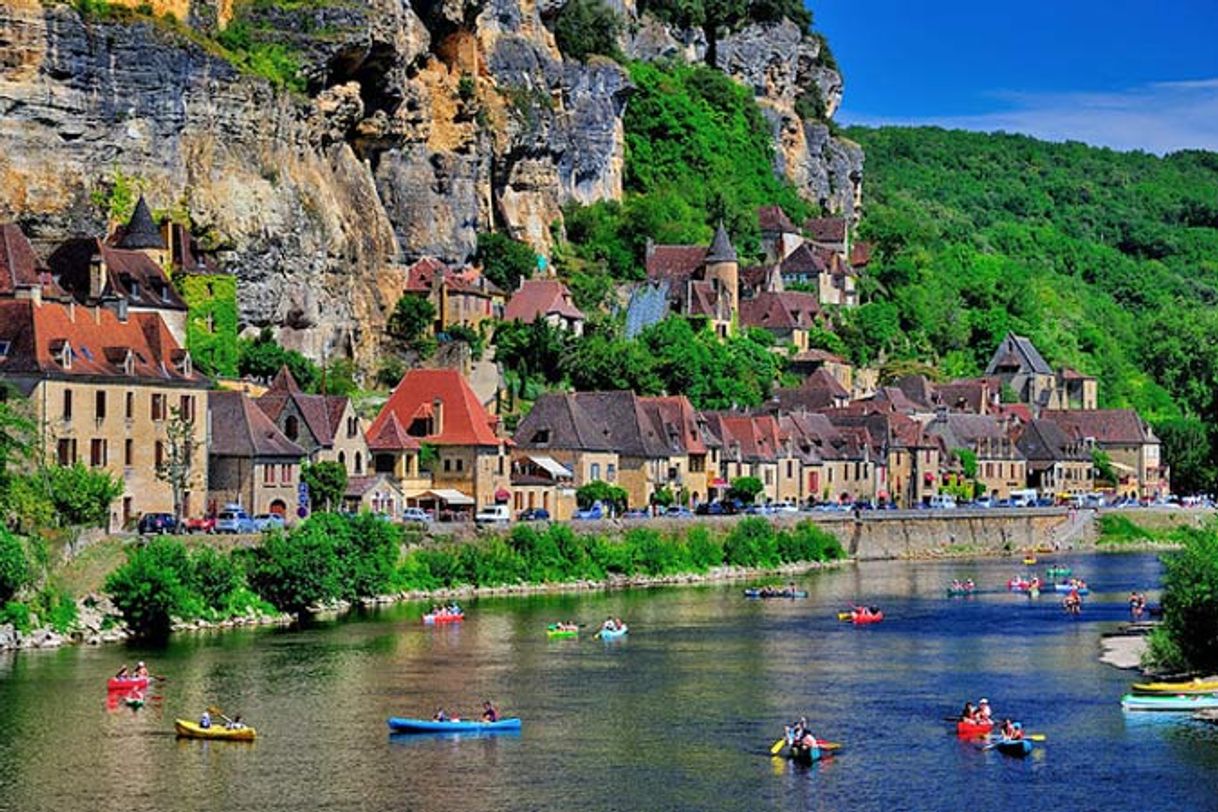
(1025, 497)
(493, 514)
(942, 500)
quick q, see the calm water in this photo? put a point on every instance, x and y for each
(678, 716)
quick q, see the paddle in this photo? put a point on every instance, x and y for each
(215, 711)
(777, 746)
(827, 746)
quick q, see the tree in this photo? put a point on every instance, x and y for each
(746, 489)
(299, 569)
(587, 27)
(339, 378)
(151, 588)
(15, 573)
(82, 496)
(504, 261)
(1188, 637)
(610, 496)
(1186, 448)
(327, 483)
(1102, 463)
(412, 322)
(262, 357)
(968, 461)
(177, 465)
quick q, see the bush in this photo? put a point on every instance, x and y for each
(327, 482)
(587, 27)
(215, 577)
(153, 587)
(297, 570)
(17, 614)
(367, 550)
(57, 609)
(412, 322)
(703, 549)
(807, 542)
(81, 495)
(15, 571)
(752, 543)
(1190, 602)
(262, 358)
(504, 261)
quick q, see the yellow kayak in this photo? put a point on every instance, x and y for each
(1191, 687)
(191, 730)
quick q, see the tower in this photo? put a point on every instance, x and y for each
(723, 271)
(142, 234)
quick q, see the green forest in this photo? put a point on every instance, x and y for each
(1107, 260)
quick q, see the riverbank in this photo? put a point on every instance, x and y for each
(1123, 651)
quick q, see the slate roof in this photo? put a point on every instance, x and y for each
(20, 266)
(129, 274)
(464, 420)
(569, 426)
(422, 278)
(240, 429)
(784, 311)
(357, 486)
(1044, 440)
(141, 231)
(754, 436)
(674, 261)
(539, 298)
(676, 423)
(1018, 351)
(1113, 426)
(630, 432)
(774, 219)
(188, 257)
(721, 249)
(322, 413)
(804, 261)
(36, 337)
(969, 395)
(826, 229)
(860, 254)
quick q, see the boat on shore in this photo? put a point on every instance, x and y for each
(187, 729)
(402, 724)
(1180, 703)
(1196, 686)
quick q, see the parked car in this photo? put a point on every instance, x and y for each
(678, 512)
(942, 500)
(235, 520)
(786, 508)
(157, 523)
(534, 514)
(592, 512)
(1044, 501)
(200, 524)
(493, 514)
(268, 521)
(637, 513)
(416, 515)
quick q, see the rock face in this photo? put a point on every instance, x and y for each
(421, 124)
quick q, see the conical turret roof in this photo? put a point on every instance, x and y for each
(141, 231)
(721, 249)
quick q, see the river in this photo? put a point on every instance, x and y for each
(677, 716)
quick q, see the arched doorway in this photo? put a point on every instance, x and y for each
(279, 508)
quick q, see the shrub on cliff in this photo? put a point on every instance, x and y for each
(15, 572)
(587, 27)
(1188, 638)
(262, 357)
(505, 261)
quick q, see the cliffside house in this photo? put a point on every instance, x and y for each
(131, 266)
(701, 281)
(23, 274)
(250, 461)
(1017, 363)
(824, 271)
(819, 391)
(1129, 442)
(788, 317)
(1001, 466)
(461, 297)
(103, 384)
(832, 233)
(548, 300)
(325, 426)
(808, 361)
(1058, 466)
(438, 409)
(779, 236)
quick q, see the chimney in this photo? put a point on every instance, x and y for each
(437, 416)
(31, 293)
(97, 276)
(940, 414)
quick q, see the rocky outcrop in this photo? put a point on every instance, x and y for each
(420, 124)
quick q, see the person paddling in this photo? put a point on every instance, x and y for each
(123, 673)
(969, 714)
(141, 670)
(983, 712)
(205, 720)
(489, 712)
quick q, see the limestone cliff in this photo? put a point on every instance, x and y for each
(410, 127)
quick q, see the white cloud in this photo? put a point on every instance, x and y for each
(1159, 117)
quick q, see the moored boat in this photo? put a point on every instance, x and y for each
(973, 730)
(191, 730)
(1071, 586)
(1197, 686)
(401, 724)
(1180, 703)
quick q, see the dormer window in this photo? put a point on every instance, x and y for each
(541, 437)
(61, 351)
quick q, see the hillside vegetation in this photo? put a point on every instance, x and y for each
(1107, 260)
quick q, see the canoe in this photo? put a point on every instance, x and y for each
(786, 593)
(399, 724)
(191, 730)
(973, 729)
(127, 684)
(429, 619)
(559, 634)
(1058, 572)
(1082, 590)
(861, 620)
(612, 634)
(1029, 560)
(1013, 747)
(956, 591)
(807, 755)
(1180, 703)
(1196, 686)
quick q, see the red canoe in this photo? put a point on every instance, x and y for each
(443, 618)
(973, 729)
(859, 619)
(126, 684)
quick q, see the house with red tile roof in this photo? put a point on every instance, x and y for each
(325, 426)
(22, 273)
(1128, 440)
(548, 300)
(754, 445)
(438, 409)
(787, 316)
(105, 383)
(250, 461)
(461, 296)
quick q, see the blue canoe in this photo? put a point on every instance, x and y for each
(612, 634)
(785, 593)
(1082, 590)
(1013, 747)
(399, 724)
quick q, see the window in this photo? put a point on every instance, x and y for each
(359, 463)
(97, 453)
(186, 405)
(448, 466)
(352, 426)
(285, 473)
(501, 463)
(540, 437)
(342, 458)
(610, 472)
(130, 407)
(67, 404)
(99, 405)
(159, 453)
(291, 427)
(594, 471)
(129, 453)
(65, 452)
(790, 469)
(460, 464)
(673, 473)
(158, 406)
(268, 474)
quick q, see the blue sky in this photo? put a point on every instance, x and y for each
(1109, 72)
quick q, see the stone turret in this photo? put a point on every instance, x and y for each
(723, 269)
(142, 234)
